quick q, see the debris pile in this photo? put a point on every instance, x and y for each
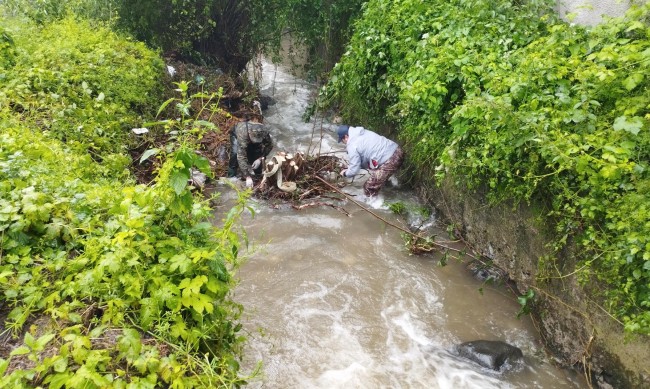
(296, 177)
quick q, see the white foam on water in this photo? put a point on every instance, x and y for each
(351, 376)
(320, 334)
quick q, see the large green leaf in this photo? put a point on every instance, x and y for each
(179, 180)
(632, 125)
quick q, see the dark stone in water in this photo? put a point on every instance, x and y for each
(265, 101)
(485, 272)
(492, 354)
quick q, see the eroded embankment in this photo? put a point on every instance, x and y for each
(575, 328)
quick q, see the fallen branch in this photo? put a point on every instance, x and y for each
(406, 231)
(320, 203)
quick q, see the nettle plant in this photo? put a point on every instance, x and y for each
(538, 111)
(182, 136)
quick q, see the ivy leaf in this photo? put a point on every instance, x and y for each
(129, 344)
(179, 329)
(197, 283)
(632, 125)
(198, 255)
(202, 302)
(187, 300)
(632, 81)
(148, 311)
(180, 262)
(111, 262)
(87, 373)
(169, 294)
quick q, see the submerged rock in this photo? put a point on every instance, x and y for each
(486, 272)
(266, 101)
(492, 354)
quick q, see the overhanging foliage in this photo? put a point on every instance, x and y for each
(501, 94)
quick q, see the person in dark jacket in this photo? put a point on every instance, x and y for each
(249, 142)
(368, 150)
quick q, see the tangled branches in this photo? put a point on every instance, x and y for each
(295, 177)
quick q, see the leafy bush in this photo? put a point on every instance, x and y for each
(104, 282)
(231, 32)
(225, 33)
(48, 11)
(95, 83)
(502, 95)
(7, 50)
(122, 251)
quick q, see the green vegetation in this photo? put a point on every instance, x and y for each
(108, 283)
(230, 32)
(322, 27)
(104, 282)
(69, 81)
(500, 95)
(225, 33)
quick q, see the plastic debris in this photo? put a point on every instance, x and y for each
(140, 131)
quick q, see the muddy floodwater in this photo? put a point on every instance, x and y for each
(337, 301)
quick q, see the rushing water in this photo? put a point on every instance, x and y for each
(336, 301)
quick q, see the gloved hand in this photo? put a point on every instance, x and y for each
(256, 164)
(249, 182)
(343, 172)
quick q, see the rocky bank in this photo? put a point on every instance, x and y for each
(577, 331)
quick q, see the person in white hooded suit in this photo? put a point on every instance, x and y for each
(368, 150)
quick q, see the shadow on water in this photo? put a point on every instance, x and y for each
(336, 301)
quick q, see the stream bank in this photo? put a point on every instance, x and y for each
(574, 328)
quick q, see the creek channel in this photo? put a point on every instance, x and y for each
(337, 301)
